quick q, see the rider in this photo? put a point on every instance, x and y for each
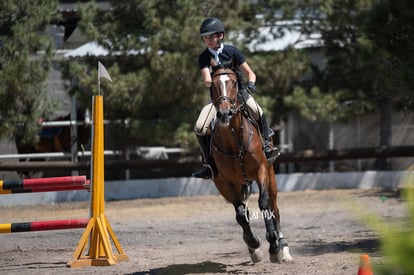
(212, 34)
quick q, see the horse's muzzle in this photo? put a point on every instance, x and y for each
(224, 116)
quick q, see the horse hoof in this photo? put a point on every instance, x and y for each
(256, 255)
(275, 258)
(286, 257)
(282, 256)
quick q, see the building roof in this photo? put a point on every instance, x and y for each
(88, 49)
(291, 38)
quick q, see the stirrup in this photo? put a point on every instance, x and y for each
(206, 172)
(272, 153)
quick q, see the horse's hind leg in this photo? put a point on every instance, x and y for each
(278, 246)
(253, 243)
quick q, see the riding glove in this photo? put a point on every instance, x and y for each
(251, 87)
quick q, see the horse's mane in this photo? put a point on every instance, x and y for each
(226, 65)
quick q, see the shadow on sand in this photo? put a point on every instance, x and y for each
(204, 267)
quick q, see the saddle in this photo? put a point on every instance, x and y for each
(50, 132)
(53, 134)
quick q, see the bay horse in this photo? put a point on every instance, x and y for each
(57, 139)
(238, 151)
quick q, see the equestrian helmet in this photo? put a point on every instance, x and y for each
(211, 25)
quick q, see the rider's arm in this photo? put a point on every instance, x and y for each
(248, 72)
(205, 74)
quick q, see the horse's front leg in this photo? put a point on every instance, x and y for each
(278, 247)
(253, 243)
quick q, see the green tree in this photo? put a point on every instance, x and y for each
(155, 45)
(390, 29)
(23, 72)
(389, 34)
(368, 62)
(331, 93)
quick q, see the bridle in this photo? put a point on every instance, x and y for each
(233, 101)
(235, 110)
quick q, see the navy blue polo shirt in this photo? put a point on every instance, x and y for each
(229, 52)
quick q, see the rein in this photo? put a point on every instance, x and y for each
(239, 138)
(242, 147)
(237, 110)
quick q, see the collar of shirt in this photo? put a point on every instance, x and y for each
(217, 52)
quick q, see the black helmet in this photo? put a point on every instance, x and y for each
(211, 25)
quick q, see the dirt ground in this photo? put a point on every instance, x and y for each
(199, 235)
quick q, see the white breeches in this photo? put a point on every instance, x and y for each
(207, 114)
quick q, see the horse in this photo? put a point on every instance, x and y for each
(237, 148)
(57, 139)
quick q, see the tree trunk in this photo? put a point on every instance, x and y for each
(385, 132)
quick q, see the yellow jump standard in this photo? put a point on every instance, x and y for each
(98, 229)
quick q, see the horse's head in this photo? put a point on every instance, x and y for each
(224, 92)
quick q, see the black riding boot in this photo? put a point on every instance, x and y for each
(209, 169)
(271, 152)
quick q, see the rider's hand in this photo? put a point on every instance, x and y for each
(251, 87)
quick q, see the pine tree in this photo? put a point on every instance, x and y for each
(368, 47)
(23, 72)
(157, 84)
